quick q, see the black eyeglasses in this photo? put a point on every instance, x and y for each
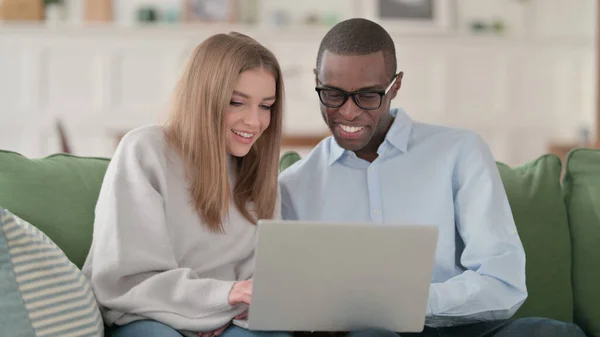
(365, 99)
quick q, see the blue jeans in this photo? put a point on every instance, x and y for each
(148, 328)
(523, 327)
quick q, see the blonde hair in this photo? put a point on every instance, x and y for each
(195, 129)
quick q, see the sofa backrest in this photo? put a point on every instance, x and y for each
(535, 196)
(582, 194)
(58, 193)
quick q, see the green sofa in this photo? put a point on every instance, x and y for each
(558, 221)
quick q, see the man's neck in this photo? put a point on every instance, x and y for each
(369, 156)
(369, 152)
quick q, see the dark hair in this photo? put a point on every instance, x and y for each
(359, 37)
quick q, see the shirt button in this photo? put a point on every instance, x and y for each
(376, 212)
(372, 169)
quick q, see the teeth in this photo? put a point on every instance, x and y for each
(243, 134)
(351, 129)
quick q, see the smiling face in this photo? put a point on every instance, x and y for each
(354, 128)
(249, 111)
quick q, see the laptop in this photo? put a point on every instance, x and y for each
(327, 276)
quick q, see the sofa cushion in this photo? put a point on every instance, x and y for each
(288, 159)
(582, 194)
(57, 194)
(43, 293)
(535, 196)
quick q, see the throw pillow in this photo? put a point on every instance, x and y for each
(535, 196)
(42, 293)
(57, 193)
(288, 159)
(582, 193)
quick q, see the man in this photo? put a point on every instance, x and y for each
(382, 167)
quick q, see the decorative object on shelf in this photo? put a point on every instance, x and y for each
(410, 16)
(73, 11)
(478, 26)
(495, 17)
(55, 11)
(21, 10)
(99, 10)
(171, 15)
(311, 19)
(279, 18)
(497, 26)
(147, 14)
(209, 11)
(584, 135)
(330, 19)
(324, 19)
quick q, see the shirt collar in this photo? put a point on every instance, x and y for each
(398, 136)
(399, 133)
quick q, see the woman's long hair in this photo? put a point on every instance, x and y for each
(195, 129)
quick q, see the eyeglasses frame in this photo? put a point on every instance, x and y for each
(353, 94)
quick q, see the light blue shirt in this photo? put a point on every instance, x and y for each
(425, 174)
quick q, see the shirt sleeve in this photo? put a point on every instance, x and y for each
(287, 205)
(132, 267)
(492, 287)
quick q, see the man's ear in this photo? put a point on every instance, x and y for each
(397, 84)
(316, 78)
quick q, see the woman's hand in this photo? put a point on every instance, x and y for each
(243, 315)
(241, 292)
(219, 331)
(214, 333)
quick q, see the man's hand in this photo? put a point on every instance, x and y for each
(241, 293)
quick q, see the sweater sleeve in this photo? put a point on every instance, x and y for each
(132, 267)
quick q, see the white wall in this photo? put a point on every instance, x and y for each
(520, 91)
(533, 17)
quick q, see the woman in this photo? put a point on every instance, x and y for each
(174, 234)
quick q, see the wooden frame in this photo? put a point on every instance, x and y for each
(194, 12)
(307, 141)
(443, 21)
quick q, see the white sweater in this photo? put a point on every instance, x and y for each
(151, 256)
